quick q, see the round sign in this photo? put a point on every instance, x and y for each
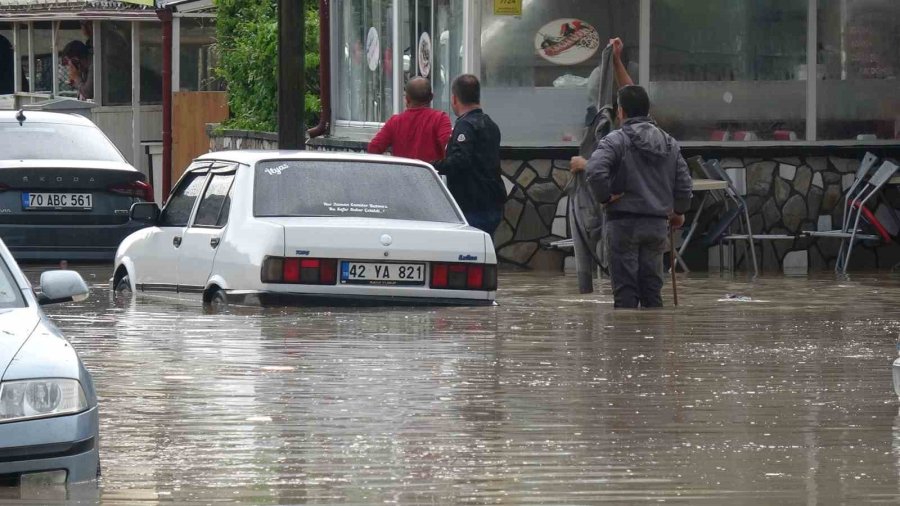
(373, 49)
(567, 41)
(424, 54)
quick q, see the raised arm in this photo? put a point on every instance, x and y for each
(621, 74)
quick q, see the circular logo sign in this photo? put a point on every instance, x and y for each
(567, 41)
(373, 49)
(424, 54)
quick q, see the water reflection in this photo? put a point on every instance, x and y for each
(547, 397)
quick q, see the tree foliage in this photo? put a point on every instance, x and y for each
(247, 33)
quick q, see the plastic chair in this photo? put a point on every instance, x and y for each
(855, 213)
(719, 232)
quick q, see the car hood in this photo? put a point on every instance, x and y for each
(16, 325)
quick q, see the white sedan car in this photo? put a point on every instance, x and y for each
(275, 227)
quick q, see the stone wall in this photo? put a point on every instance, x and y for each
(786, 195)
(222, 140)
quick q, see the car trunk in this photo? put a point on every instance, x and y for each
(380, 240)
(104, 192)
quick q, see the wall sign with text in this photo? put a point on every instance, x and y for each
(507, 7)
(567, 41)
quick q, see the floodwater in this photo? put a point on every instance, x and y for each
(781, 394)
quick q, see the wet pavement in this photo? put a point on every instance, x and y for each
(782, 395)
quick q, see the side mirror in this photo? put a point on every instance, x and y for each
(62, 286)
(147, 212)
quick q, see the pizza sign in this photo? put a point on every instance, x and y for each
(567, 41)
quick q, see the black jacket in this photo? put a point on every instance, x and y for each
(472, 163)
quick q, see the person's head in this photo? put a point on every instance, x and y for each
(418, 92)
(76, 54)
(633, 102)
(465, 94)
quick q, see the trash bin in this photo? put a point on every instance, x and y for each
(64, 105)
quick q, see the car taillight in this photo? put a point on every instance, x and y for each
(4, 187)
(134, 189)
(299, 271)
(464, 276)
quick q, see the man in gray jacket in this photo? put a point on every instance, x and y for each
(638, 173)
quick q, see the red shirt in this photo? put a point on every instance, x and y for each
(421, 133)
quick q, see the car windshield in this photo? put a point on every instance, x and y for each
(350, 188)
(10, 294)
(55, 141)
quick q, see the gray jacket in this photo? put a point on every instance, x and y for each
(644, 164)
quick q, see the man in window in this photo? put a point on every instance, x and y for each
(472, 165)
(420, 132)
(638, 173)
(77, 58)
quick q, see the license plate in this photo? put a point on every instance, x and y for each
(378, 273)
(42, 201)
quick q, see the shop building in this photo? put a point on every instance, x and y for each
(108, 60)
(789, 94)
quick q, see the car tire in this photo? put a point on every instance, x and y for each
(217, 300)
(123, 287)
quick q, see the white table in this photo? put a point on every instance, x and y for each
(700, 185)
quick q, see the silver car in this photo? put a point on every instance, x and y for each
(48, 408)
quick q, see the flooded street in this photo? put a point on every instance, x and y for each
(549, 397)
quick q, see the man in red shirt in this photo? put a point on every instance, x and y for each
(419, 132)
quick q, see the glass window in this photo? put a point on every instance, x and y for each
(729, 69)
(23, 57)
(7, 63)
(545, 59)
(116, 54)
(75, 74)
(10, 293)
(353, 189)
(181, 203)
(448, 50)
(365, 62)
(151, 63)
(226, 208)
(198, 56)
(43, 57)
(858, 70)
(54, 141)
(208, 213)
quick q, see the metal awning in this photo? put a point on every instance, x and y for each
(77, 9)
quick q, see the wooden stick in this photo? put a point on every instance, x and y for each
(672, 262)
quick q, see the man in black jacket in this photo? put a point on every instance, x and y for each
(638, 173)
(472, 163)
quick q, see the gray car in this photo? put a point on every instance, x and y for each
(65, 190)
(48, 408)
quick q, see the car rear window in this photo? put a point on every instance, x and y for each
(10, 294)
(350, 188)
(55, 141)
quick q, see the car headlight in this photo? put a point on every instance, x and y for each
(22, 400)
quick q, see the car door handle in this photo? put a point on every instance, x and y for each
(176, 241)
(214, 242)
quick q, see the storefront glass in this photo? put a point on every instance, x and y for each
(24, 49)
(43, 57)
(729, 70)
(535, 67)
(151, 63)
(364, 64)
(116, 55)
(7, 64)
(447, 50)
(858, 70)
(75, 73)
(197, 59)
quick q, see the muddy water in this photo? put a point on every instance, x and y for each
(548, 397)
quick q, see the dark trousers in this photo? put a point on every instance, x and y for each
(636, 248)
(486, 220)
